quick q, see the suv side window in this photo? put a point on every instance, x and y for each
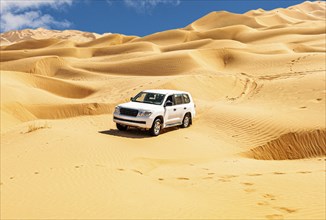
(186, 98)
(178, 99)
(170, 98)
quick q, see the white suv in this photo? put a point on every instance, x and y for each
(155, 110)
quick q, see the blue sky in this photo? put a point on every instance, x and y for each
(130, 17)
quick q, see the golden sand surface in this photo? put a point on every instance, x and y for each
(256, 149)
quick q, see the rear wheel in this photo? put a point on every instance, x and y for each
(156, 127)
(186, 121)
(122, 127)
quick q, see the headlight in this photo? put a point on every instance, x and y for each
(144, 114)
(117, 110)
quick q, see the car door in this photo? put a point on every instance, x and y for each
(186, 103)
(180, 107)
(171, 114)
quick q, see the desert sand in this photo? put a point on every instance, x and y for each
(256, 149)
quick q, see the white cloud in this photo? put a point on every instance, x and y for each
(146, 5)
(109, 2)
(30, 19)
(18, 14)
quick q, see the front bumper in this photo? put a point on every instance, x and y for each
(140, 122)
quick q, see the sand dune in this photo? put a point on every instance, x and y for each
(256, 149)
(110, 39)
(41, 33)
(292, 146)
(223, 19)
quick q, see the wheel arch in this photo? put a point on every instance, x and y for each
(160, 117)
(189, 113)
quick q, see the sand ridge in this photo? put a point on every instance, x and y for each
(257, 143)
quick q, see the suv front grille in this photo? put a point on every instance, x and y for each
(129, 112)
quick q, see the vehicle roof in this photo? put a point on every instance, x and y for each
(164, 91)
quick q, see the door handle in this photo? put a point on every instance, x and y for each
(174, 109)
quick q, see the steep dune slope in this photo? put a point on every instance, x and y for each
(257, 142)
(223, 19)
(292, 146)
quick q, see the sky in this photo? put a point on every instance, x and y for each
(129, 17)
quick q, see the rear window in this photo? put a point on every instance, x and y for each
(186, 98)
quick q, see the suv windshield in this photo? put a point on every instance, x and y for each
(149, 98)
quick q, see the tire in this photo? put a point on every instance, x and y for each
(186, 121)
(156, 127)
(122, 127)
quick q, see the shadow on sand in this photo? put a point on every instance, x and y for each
(134, 132)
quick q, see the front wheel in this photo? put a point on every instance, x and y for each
(122, 127)
(156, 127)
(186, 121)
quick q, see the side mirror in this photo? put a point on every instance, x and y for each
(168, 103)
(131, 98)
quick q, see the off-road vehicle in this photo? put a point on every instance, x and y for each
(155, 110)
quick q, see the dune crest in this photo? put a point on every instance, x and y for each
(41, 33)
(295, 145)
